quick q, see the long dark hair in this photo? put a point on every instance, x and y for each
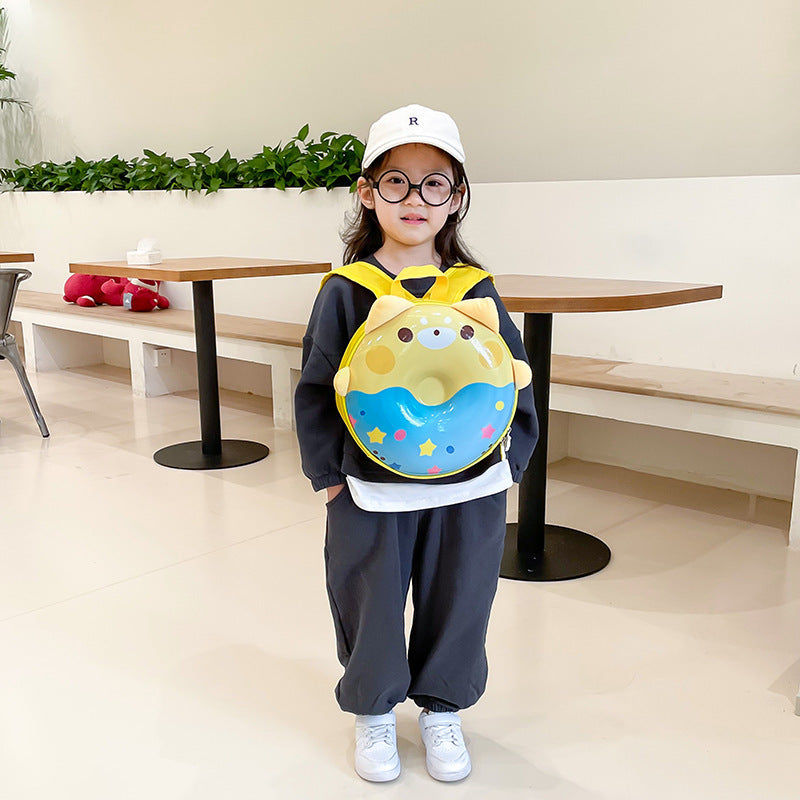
(362, 235)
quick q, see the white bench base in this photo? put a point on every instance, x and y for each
(696, 417)
(58, 341)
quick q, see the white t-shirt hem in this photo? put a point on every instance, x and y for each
(393, 497)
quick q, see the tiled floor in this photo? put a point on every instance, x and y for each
(165, 634)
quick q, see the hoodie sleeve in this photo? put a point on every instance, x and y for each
(320, 430)
(525, 427)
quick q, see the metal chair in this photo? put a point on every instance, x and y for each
(10, 279)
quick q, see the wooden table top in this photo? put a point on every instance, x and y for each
(549, 294)
(200, 269)
(14, 258)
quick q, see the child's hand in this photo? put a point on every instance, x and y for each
(333, 491)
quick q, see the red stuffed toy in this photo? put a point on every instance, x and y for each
(112, 289)
(90, 290)
(136, 295)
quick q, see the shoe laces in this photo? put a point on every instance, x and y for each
(377, 734)
(445, 734)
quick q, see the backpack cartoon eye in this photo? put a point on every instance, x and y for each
(429, 387)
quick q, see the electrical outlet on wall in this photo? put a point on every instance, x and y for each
(162, 357)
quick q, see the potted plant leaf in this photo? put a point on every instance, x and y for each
(6, 75)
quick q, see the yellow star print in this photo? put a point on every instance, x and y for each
(376, 435)
(427, 448)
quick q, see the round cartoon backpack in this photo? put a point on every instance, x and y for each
(427, 386)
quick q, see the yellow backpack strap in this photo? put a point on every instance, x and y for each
(448, 287)
(366, 275)
(460, 279)
(440, 282)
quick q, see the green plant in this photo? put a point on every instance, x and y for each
(333, 161)
(300, 163)
(6, 75)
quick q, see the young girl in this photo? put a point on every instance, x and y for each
(443, 536)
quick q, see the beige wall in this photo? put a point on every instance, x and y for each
(542, 89)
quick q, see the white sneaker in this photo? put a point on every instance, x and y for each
(376, 747)
(447, 758)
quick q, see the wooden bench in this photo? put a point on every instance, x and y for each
(743, 407)
(54, 338)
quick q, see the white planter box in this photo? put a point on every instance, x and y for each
(741, 232)
(72, 226)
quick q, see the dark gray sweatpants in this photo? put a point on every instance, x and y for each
(451, 556)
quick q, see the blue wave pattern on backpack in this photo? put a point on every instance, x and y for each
(422, 440)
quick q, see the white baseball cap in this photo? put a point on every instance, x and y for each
(413, 124)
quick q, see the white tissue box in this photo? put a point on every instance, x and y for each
(140, 257)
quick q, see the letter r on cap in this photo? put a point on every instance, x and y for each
(412, 121)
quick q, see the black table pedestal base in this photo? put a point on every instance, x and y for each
(568, 554)
(190, 455)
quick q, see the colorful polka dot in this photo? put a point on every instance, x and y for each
(400, 435)
(450, 449)
(499, 405)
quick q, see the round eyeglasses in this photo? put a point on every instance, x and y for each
(434, 189)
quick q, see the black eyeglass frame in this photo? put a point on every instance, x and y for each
(412, 186)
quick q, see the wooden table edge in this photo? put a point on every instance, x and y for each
(15, 258)
(621, 302)
(163, 272)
